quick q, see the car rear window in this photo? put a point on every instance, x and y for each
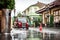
(23, 20)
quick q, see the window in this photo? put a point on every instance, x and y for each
(35, 9)
(59, 17)
(59, 12)
(56, 15)
(56, 19)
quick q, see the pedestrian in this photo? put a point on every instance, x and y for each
(40, 28)
(45, 24)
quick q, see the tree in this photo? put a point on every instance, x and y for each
(51, 20)
(6, 6)
(10, 4)
(19, 15)
(1, 4)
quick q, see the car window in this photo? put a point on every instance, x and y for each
(23, 20)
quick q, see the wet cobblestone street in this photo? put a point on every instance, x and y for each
(32, 35)
(5, 37)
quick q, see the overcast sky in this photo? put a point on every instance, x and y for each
(21, 5)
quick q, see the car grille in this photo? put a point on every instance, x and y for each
(23, 24)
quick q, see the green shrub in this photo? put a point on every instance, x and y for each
(51, 20)
(37, 21)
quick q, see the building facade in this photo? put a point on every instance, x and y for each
(32, 8)
(51, 9)
(31, 11)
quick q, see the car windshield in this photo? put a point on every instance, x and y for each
(23, 20)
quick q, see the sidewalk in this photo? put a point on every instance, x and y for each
(46, 30)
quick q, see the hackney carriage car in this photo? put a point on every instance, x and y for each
(21, 22)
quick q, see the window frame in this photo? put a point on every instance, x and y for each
(56, 16)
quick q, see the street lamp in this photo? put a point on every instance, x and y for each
(47, 16)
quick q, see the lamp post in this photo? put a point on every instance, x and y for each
(47, 11)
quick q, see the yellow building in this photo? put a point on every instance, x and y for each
(30, 11)
(32, 8)
(51, 9)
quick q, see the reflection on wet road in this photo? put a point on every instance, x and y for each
(32, 35)
(5, 37)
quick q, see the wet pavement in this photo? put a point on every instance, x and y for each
(32, 35)
(5, 37)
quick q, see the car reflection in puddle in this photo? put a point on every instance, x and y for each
(31, 36)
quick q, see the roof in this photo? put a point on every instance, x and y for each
(33, 14)
(49, 6)
(39, 4)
